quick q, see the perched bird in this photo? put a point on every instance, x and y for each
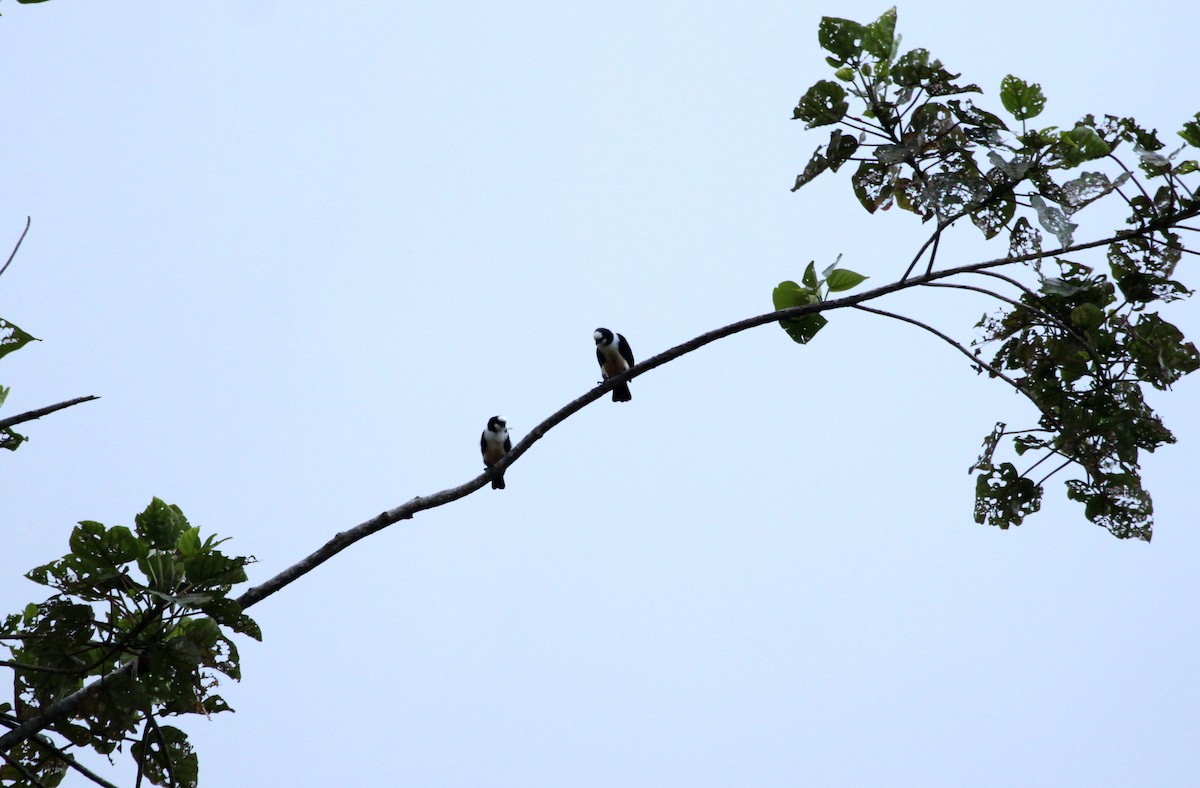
(614, 355)
(494, 443)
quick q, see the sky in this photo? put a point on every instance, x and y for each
(304, 252)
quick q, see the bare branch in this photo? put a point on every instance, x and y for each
(957, 346)
(28, 220)
(46, 411)
(406, 511)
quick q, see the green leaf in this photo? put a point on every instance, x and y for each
(1160, 352)
(809, 279)
(995, 215)
(1022, 100)
(214, 569)
(842, 38)
(161, 524)
(1024, 239)
(789, 294)
(228, 613)
(189, 542)
(12, 338)
(841, 147)
(824, 103)
(840, 280)
(1191, 132)
(1087, 316)
(1081, 144)
(984, 463)
(1118, 502)
(873, 184)
(166, 753)
(1004, 498)
(879, 37)
(10, 439)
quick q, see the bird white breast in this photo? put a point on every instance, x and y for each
(495, 444)
(613, 364)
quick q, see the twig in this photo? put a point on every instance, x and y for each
(28, 220)
(957, 346)
(1067, 462)
(46, 411)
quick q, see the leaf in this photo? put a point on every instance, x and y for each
(842, 38)
(10, 439)
(984, 463)
(968, 113)
(1117, 502)
(817, 164)
(840, 280)
(1012, 170)
(1004, 498)
(1089, 187)
(810, 281)
(1054, 220)
(13, 338)
(161, 524)
(1081, 144)
(992, 217)
(879, 37)
(189, 542)
(841, 147)
(1022, 100)
(824, 103)
(1191, 132)
(1160, 353)
(873, 184)
(228, 613)
(166, 752)
(789, 294)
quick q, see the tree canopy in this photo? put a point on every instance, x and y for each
(138, 625)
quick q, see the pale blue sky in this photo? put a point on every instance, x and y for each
(304, 251)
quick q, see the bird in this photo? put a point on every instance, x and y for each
(495, 443)
(615, 356)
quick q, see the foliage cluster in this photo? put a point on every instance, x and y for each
(1082, 340)
(147, 608)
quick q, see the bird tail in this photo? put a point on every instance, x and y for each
(621, 393)
(498, 483)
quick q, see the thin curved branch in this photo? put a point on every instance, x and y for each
(1067, 462)
(344, 539)
(957, 346)
(166, 748)
(46, 411)
(28, 221)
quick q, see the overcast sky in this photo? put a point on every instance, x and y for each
(303, 251)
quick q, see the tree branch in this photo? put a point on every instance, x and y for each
(28, 220)
(46, 411)
(960, 348)
(406, 511)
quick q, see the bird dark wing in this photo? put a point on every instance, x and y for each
(599, 356)
(507, 445)
(483, 442)
(625, 351)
